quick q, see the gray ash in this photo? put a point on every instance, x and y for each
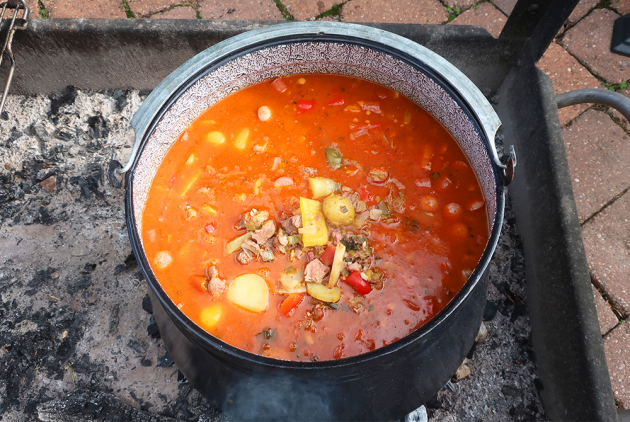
(76, 331)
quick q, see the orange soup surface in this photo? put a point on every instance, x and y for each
(314, 217)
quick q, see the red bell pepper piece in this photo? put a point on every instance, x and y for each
(357, 283)
(336, 102)
(305, 105)
(290, 302)
(328, 256)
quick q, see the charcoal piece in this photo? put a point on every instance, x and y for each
(66, 97)
(165, 361)
(90, 406)
(98, 127)
(490, 311)
(114, 319)
(145, 362)
(153, 331)
(130, 262)
(147, 305)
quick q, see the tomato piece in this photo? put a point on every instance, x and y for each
(337, 101)
(365, 193)
(290, 302)
(305, 105)
(328, 256)
(357, 283)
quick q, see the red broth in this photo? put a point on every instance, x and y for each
(423, 234)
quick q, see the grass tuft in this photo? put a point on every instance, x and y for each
(334, 11)
(285, 13)
(128, 11)
(43, 13)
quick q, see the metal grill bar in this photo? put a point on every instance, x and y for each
(12, 24)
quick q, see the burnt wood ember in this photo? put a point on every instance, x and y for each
(76, 329)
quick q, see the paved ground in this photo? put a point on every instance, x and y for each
(596, 138)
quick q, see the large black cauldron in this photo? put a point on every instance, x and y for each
(386, 383)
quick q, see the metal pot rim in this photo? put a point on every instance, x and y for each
(150, 112)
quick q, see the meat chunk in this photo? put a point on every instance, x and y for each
(251, 247)
(254, 219)
(355, 200)
(244, 257)
(288, 225)
(212, 272)
(297, 221)
(216, 286)
(315, 271)
(263, 234)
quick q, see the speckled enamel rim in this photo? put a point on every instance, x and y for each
(167, 93)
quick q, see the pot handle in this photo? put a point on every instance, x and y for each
(597, 96)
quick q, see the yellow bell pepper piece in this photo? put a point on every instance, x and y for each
(314, 230)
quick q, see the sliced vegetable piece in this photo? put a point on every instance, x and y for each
(291, 278)
(338, 210)
(279, 85)
(290, 302)
(250, 292)
(191, 182)
(162, 259)
(328, 256)
(336, 102)
(357, 283)
(305, 105)
(334, 157)
(240, 142)
(211, 316)
(264, 113)
(321, 186)
(235, 244)
(323, 293)
(337, 264)
(215, 137)
(314, 230)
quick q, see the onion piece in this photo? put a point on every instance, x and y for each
(236, 244)
(337, 264)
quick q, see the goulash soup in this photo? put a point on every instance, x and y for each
(314, 217)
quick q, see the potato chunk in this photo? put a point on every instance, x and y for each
(320, 186)
(215, 137)
(250, 292)
(240, 142)
(338, 210)
(323, 293)
(162, 259)
(211, 316)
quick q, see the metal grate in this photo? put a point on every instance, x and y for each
(11, 21)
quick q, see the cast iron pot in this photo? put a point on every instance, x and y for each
(386, 383)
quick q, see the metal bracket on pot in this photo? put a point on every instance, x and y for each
(113, 170)
(508, 162)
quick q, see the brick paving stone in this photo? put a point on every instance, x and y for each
(621, 6)
(616, 346)
(307, 9)
(567, 74)
(581, 10)
(589, 41)
(182, 12)
(607, 245)
(84, 8)
(462, 4)
(240, 10)
(485, 15)
(605, 315)
(396, 11)
(142, 8)
(505, 6)
(598, 151)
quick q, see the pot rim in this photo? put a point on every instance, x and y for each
(458, 85)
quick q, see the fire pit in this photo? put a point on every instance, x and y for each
(61, 304)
